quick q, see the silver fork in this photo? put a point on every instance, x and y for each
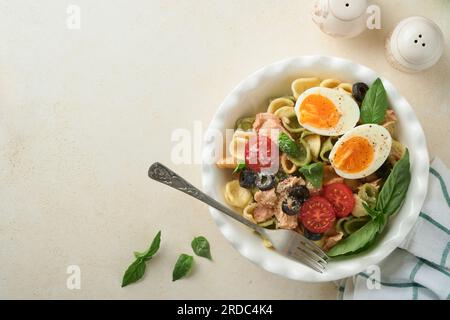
(289, 243)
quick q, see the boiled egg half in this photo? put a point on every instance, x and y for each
(361, 151)
(327, 112)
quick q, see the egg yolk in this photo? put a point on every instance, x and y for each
(319, 112)
(354, 155)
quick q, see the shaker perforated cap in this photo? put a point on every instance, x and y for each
(347, 10)
(417, 43)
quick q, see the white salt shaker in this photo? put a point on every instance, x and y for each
(341, 18)
(416, 44)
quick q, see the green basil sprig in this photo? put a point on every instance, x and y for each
(375, 104)
(137, 269)
(314, 174)
(389, 201)
(201, 247)
(182, 267)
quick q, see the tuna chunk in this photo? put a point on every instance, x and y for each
(285, 221)
(266, 122)
(262, 213)
(288, 183)
(266, 198)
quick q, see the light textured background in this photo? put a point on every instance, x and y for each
(83, 114)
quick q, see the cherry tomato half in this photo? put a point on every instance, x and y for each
(317, 214)
(258, 153)
(340, 197)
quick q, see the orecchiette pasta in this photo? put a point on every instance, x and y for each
(358, 209)
(280, 103)
(227, 163)
(330, 83)
(301, 85)
(245, 124)
(314, 144)
(347, 87)
(237, 196)
(285, 112)
(354, 224)
(289, 119)
(326, 149)
(237, 145)
(287, 165)
(397, 152)
(305, 154)
(248, 211)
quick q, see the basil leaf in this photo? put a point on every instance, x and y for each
(381, 220)
(182, 267)
(395, 188)
(239, 168)
(154, 247)
(137, 269)
(134, 272)
(356, 241)
(375, 103)
(372, 212)
(314, 174)
(201, 247)
(288, 146)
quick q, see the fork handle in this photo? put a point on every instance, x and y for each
(166, 176)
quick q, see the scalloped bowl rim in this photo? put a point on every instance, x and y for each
(247, 242)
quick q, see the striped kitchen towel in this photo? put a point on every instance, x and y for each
(420, 269)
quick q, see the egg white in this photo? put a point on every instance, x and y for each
(381, 141)
(347, 107)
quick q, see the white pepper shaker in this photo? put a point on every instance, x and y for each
(416, 44)
(341, 18)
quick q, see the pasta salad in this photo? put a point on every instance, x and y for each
(323, 161)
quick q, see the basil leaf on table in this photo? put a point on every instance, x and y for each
(134, 272)
(375, 104)
(314, 174)
(356, 241)
(154, 247)
(137, 269)
(395, 188)
(201, 247)
(182, 267)
(288, 146)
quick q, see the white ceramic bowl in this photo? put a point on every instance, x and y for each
(250, 97)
